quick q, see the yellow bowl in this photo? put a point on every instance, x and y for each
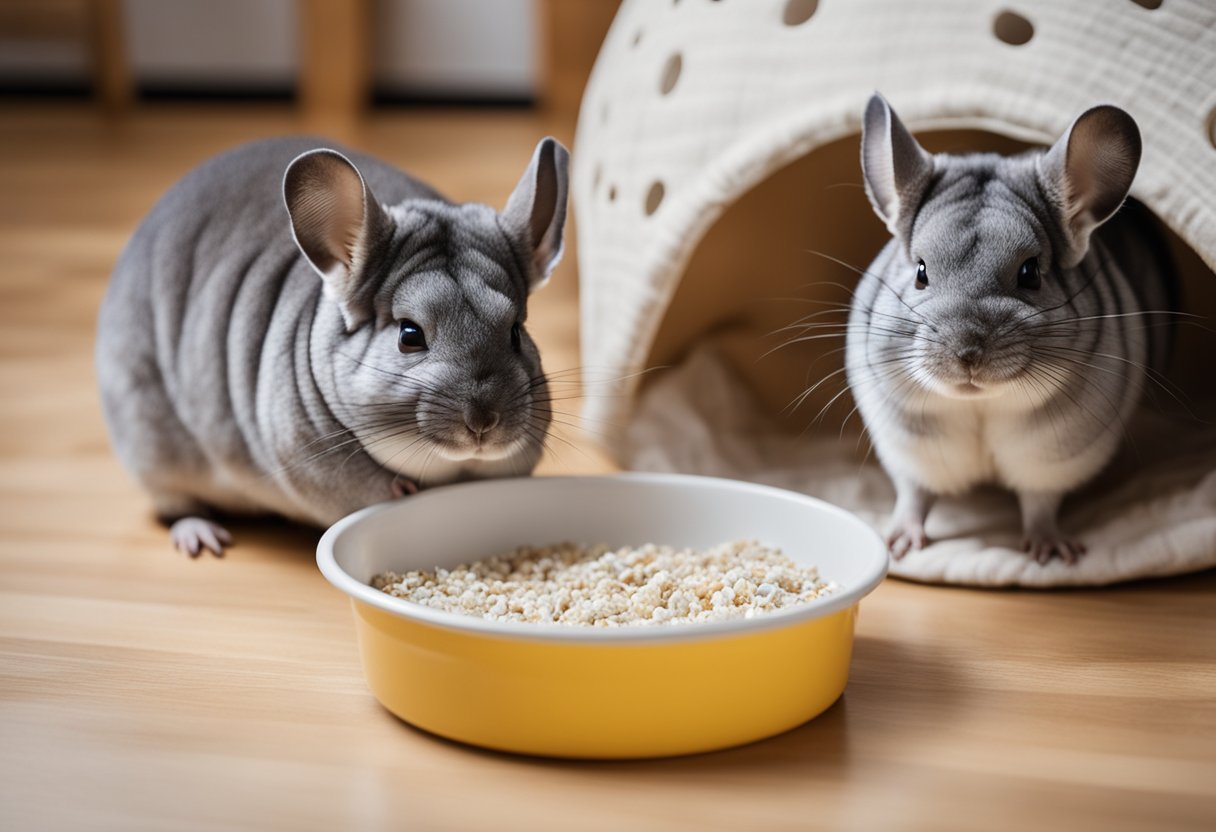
(566, 691)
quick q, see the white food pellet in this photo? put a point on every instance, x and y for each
(600, 587)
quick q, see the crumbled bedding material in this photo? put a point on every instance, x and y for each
(596, 586)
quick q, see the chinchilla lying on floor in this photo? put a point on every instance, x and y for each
(365, 340)
(1001, 335)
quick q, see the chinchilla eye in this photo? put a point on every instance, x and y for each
(922, 275)
(515, 338)
(1028, 274)
(411, 338)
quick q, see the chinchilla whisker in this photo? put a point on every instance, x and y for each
(561, 419)
(1065, 352)
(883, 417)
(381, 438)
(556, 433)
(573, 397)
(841, 326)
(1068, 331)
(890, 374)
(899, 383)
(586, 385)
(1032, 383)
(1157, 379)
(811, 332)
(797, 402)
(825, 335)
(332, 448)
(360, 448)
(882, 282)
(841, 311)
(1062, 377)
(431, 453)
(415, 385)
(588, 369)
(576, 415)
(557, 437)
(517, 398)
(362, 363)
(544, 439)
(580, 421)
(823, 356)
(518, 466)
(833, 283)
(537, 429)
(572, 420)
(408, 450)
(799, 340)
(823, 410)
(1054, 373)
(1119, 315)
(845, 423)
(834, 305)
(897, 318)
(582, 429)
(404, 405)
(805, 394)
(325, 437)
(352, 439)
(806, 321)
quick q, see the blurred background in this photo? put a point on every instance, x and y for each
(337, 56)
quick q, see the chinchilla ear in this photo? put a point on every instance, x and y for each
(895, 167)
(536, 211)
(335, 219)
(1088, 172)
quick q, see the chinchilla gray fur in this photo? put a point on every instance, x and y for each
(300, 331)
(1003, 335)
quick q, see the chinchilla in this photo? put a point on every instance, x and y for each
(302, 331)
(1000, 336)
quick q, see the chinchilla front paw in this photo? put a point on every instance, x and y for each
(403, 487)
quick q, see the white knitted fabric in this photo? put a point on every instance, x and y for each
(693, 102)
(1151, 513)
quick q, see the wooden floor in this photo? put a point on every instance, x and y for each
(141, 690)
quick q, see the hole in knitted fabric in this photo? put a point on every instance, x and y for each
(637, 38)
(612, 193)
(1012, 28)
(671, 73)
(1148, 4)
(798, 12)
(596, 178)
(654, 197)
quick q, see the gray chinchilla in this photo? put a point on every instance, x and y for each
(309, 361)
(1001, 335)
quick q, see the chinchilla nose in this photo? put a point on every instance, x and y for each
(480, 418)
(970, 354)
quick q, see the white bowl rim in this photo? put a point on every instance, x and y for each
(516, 630)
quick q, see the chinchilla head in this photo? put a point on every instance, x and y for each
(433, 359)
(988, 245)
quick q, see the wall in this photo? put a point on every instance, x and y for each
(431, 48)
